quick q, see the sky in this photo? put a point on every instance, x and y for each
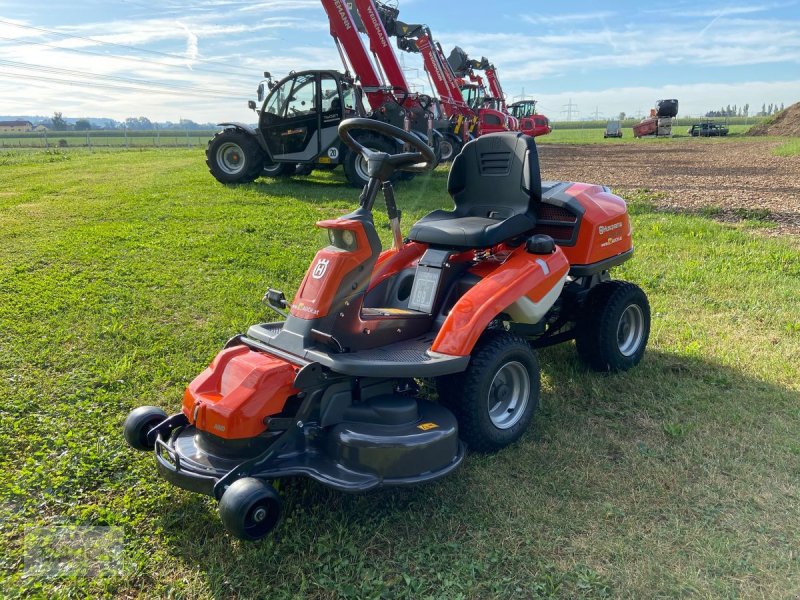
(203, 59)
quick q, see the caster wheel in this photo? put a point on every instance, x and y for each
(495, 399)
(250, 509)
(138, 424)
(613, 333)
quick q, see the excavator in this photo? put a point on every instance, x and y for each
(299, 114)
(468, 118)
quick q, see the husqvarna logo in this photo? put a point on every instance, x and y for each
(320, 268)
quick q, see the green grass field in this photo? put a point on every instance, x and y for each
(123, 273)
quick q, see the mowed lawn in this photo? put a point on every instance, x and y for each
(123, 273)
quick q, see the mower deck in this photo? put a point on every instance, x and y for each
(409, 358)
(351, 457)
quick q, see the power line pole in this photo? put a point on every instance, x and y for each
(596, 113)
(569, 108)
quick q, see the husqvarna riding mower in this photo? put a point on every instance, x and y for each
(331, 391)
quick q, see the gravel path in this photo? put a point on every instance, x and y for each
(735, 179)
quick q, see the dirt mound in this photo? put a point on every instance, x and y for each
(786, 122)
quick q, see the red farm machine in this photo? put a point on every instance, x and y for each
(522, 115)
(299, 117)
(469, 117)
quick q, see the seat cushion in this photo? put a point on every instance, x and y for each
(444, 228)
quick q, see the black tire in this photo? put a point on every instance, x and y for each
(450, 147)
(613, 331)
(234, 156)
(271, 169)
(489, 419)
(355, 167)
(137, 425)
(250, 509)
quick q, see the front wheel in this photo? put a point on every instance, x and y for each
(613, 332)
(138, 425)
(495, 399)
(450, 147)
(250, 509)
(234, 156)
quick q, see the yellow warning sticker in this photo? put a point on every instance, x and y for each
(427, 426)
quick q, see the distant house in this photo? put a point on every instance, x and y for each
(15, 126)
(40, 128)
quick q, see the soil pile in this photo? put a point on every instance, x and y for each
(786, 122)
(730, 180)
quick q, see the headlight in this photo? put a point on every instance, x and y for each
(349, 238)
(342, 239)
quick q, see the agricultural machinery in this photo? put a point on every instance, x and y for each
(298, 118)
(530, 122)
(331, 391)
(468, 118)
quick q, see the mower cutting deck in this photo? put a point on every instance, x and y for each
(331, 393)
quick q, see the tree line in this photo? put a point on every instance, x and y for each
(58, 123)
(744, 111)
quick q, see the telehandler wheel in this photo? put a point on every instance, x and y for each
(612, 334)
(355, 165)
(495, 399)
(250, 508)
(138, 423)
(234, 156)
(450, 147)
(278, 169)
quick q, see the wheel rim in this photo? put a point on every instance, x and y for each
(361, 167)
(273, 169)
(260, 519)
(230, 158)
(630, 330)
(446, 149)
(508, 395)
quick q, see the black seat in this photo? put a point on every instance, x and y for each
(495, 184)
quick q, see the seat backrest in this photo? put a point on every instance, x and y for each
(496, 176)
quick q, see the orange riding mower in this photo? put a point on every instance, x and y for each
(331, 391)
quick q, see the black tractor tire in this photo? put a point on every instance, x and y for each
(495, 399)
(355, 166)
(137, 425)
(272, 169)
(450, 147)
(234, 156)
(250, 509)
(613, 331)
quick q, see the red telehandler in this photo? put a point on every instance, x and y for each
(468, 119)
(298, 119)
(530, 122)
(523, 114)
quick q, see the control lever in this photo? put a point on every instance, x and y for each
(393, 214)
(276, 300)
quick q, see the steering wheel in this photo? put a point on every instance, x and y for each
(382, 165)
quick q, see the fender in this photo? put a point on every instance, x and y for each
(524, 274)
(240, 126)
(245, 128)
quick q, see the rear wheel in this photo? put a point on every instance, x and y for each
(613, 332)
(355, 165)
(278, 169)
(250, 508)
(234, 156)
(495, 399)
